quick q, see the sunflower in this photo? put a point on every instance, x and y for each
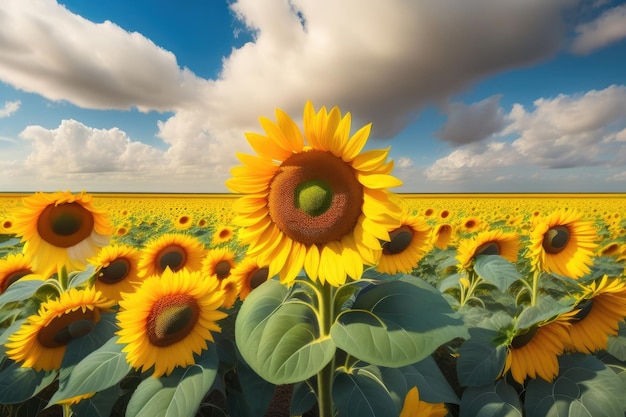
(116, 270)
(168, 319)
(183, 222)
(414, 407)
(408, 245)
(601, 308)
(222, 234)
(61, 229)
(249, 273)
(41, 341)
(442, 235)
(470, 224)
(218, 265)
(534, 352)
(563, 244)
(173, 250)
(14, 267)
(323, 206)
(492, 242)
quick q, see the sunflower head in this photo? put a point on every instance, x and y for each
(222, 234)
(116, 270)
(14, 267)
(407, 245)
(61, 229)
(171, 250)
(563, 243)
(41, 341)
(320, 205)
(494, 242)
(250, 273)
(443, 235)
(169, 319)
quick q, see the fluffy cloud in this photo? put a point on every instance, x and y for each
(9, 108)
(63, 56)
(472, 123)
(608, 28)
(563, 132)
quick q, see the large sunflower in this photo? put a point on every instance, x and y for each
(493, 242)
(173, 250)
(534, 352)
(564, 244)
(414, 407)
(602, 307)
(41, 341)
(61, 229)
(249, 273)
(323, 206)
(168, 319)
(408, 245)
(14, 267)
(116, 270)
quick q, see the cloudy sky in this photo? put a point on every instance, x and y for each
(155, 95)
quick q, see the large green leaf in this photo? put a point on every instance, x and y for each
(17, 384)
(362, 394)
(20, 290)
(279, 337)
(480, 361)
(302, 399)
(497, 271)
(585, 387)
(100, 405)
(397, 323)
(617, 344)
(546, 308)
(430, 381)
(101, 369)
(492, 400)
(178, 395)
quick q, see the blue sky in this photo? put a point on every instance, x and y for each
(155, 95)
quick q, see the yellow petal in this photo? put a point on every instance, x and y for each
(370, 160)
(377, 181)
(266, 147)
(356, 143)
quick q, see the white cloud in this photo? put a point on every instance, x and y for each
(46, 49)
(608, 28)
(9, 108)
(470, 164)
(404, 162)
(472, 123)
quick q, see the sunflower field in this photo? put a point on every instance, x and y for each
(312, 290)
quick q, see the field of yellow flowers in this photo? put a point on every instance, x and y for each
(485, 342)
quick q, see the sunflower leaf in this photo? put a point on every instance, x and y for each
(480, 362)
(100, 405)
(361, 394)
(497, 271)
(584, 387)
(101, 369)
(20, 290)
(397, 323)
(178, 395)
(493, 400)
(17, 384)
(279, 337)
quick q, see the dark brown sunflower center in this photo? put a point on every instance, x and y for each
(524, 338)
(258, 277)
(116, 271)
(489, 248)
(470, 224)
(65, 225)
(315, 198)
(585, 308)
(171, 319)
(12, 277)
(63, 329)
(401, 238)
(174, 256)
(222, 269)
(556, 239)
(224, 233)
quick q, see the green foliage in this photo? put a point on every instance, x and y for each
(361, 393)
(492, 400)
(497, 271)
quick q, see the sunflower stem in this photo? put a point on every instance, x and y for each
(67, 410)
(325, 376)
(534, 293)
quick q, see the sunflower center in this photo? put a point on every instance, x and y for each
(173, 256)
(489, 248)
(171, 319)
(258, 277)
(585, 308)
(222, 269)
(524, 338)
(315, 198)
(12, 277)
(116, 271)
(224, 233)
(65, 225)
(400, 239)
(556, 239)
(62, 329)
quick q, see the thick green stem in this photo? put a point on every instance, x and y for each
(326, 375)
(535, 288)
